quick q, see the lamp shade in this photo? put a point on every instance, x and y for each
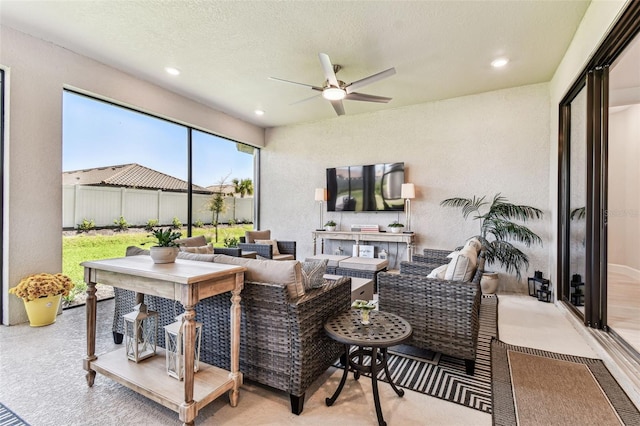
(408, 191)
(321, 194)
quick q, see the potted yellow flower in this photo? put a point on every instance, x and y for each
(41, 294)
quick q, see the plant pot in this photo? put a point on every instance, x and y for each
(330, 228)
(42, 311)
(396, 229)
(489, 282)
(164, 254)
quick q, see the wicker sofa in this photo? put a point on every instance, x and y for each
(282, 342)
(443, 314)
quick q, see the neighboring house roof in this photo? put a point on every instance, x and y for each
(228, 189)
(128, 176)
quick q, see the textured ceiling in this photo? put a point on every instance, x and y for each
(226, 50)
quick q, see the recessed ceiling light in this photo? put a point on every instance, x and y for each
(172, 71)
(259, 112)
(499, 63)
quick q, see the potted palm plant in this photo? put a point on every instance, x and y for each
(498, 229)
(166, 249)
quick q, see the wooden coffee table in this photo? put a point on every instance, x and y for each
(384, 330)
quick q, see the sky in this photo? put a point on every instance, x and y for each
(98, 134)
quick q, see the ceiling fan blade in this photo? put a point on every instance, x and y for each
(337, 105)
(305, 99)
(295, 82)
(368, 80)
(329, 74)
(367, 98)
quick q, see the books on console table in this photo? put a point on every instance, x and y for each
(365, 228)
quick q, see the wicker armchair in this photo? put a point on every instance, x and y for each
(282, 342)
(287, 249)
(443, 314)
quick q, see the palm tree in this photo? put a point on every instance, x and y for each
(242, 187)
(497, 227)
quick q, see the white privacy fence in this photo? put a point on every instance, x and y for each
(103, 205)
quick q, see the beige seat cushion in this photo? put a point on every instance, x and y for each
(208, 249)
(364, 263)
(198, 241)
(332, 259)
(283, 257)
(287, 272)
(251, 236)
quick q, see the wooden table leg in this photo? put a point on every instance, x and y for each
(91, 328)
(188, 410)
(235, 374)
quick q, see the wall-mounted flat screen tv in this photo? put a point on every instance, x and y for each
(370, 188)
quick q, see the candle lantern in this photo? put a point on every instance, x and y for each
(175, 342)
(140, 333)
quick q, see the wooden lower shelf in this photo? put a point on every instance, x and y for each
(150, 378)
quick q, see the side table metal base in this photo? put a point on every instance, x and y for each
(355, 362)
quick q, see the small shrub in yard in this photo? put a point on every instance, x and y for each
(175, 223)
(86, 225)
(232, 222)
(151, 223)
(231, 242)
(198, 223)
(79, 287)
(121, 224)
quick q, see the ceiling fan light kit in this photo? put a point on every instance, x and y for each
(335, 90)
(334, 93)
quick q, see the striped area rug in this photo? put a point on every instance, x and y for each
(443, 376)
(9, 418)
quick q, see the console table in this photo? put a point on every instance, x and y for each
(358, 237)
(185, 281)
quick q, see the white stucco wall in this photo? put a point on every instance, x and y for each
(475, 145)
(37, 73)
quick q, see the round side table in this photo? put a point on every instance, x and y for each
(384, 330)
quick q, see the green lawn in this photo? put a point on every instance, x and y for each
(81, 247)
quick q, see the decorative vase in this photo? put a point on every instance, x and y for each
(163, 254)
(364, 316)
(489, 282)
(396, 229)
(330, 228)
(42, 311)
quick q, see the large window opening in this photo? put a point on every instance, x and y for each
(125, 172)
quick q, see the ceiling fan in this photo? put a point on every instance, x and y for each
(335, 90)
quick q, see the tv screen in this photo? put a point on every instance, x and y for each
(370, 188)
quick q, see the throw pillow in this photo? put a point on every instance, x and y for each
(474, 242)
(274, 243)
(439, 272)
(313, 273)
(463, 265)
(208, 249)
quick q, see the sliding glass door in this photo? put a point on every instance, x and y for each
(623, 197)
(599, 187)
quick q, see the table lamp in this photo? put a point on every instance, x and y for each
(321, 197)
(408, 191)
